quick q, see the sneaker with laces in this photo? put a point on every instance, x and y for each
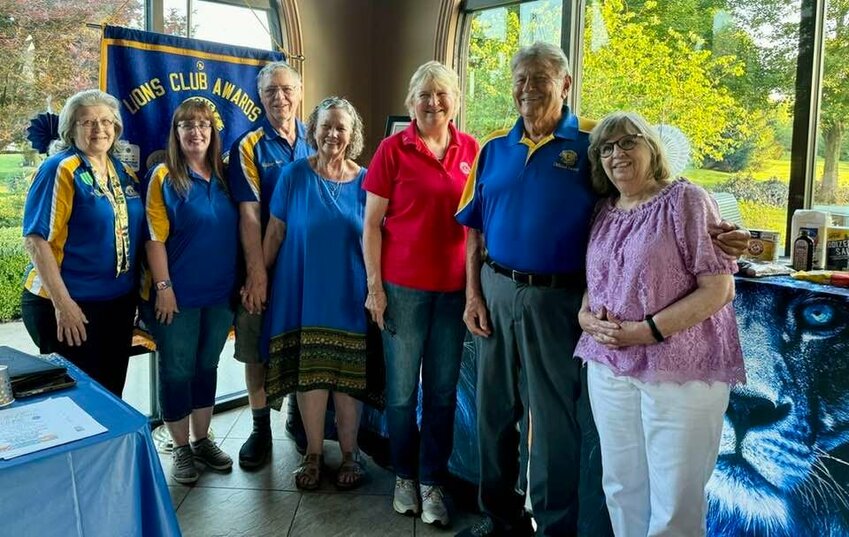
(208, 452)
(433, 505)
(183, 465)
(406, 499)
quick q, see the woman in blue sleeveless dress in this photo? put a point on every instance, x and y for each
(315, 326)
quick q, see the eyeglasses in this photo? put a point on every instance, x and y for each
(189, 126)
(626, 143)
(271, 91)
(89, 124)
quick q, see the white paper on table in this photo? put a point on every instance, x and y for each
(48, 423)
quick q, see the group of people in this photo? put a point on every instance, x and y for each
(597, 287)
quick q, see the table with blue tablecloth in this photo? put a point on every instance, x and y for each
(783, 468)
(106, 485)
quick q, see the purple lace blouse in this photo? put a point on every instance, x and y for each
(642, 260)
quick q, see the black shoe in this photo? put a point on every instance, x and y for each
(257, 447)
(487, 528)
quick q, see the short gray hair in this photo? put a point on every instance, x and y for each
(271, 68)
(68, 117)
(355, 146)
(546, 53)
(630, 123)
(432, 72)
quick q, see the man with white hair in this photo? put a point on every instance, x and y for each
(528, 204)
(256, 159)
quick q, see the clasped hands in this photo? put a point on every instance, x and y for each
(254, 293)
(614, 333)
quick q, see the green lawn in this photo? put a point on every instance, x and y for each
(771, 169)
(10, 168)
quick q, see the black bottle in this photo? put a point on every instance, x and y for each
(803, 252)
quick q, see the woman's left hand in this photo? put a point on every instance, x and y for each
(729, 238)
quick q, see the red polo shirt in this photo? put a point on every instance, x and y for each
(423, 245)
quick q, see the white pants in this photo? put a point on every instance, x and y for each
(659, 443)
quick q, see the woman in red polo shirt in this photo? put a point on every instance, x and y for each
(414, 254)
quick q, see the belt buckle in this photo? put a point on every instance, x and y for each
(521, 277)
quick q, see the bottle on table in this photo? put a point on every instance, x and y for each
(803, 252)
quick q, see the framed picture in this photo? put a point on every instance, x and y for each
(395, 124)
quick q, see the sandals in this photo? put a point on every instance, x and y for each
(308, 474)
(352, 472)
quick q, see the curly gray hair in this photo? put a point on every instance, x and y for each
(355, 146)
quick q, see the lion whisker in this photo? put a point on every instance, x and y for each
(824, 454)
(826, 480)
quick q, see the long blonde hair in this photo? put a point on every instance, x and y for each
(178, 170)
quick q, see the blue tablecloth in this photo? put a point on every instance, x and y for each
(106, 485)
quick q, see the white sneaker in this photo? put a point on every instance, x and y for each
(406, 499)
(433, 505)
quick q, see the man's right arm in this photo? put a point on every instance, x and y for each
(254, 291)
(475, 315)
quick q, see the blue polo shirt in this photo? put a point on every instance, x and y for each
(201, 236)
(256, 159)
(66, 208)
(533, 202)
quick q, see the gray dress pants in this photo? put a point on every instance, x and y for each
(527, 364)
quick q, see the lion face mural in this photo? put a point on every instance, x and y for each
(783, 468)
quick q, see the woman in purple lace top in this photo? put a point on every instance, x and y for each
(660, 335)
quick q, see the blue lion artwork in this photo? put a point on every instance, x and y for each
(783, 467)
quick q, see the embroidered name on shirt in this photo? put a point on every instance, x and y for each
(567, 159)
(273, 163)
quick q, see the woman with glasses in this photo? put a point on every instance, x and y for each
(660, 336)
(191, 251)
(83, 223)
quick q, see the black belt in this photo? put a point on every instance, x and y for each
(569, 279)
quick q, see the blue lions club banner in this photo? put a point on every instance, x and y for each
(151, 74)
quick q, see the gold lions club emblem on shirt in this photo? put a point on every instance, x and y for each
(567, 159)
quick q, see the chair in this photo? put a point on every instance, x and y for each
(728, 208)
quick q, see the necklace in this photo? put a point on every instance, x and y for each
(334, 187)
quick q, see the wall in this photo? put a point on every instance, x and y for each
(365, 51)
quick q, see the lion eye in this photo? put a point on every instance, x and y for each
(818, 315)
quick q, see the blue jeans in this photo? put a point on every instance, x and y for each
(422, 339)
(188, 350)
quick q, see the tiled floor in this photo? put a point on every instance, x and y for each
(267, 503)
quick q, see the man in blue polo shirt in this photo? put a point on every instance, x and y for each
(256, 159)
(529, 200)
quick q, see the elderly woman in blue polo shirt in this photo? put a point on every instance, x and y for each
(193, 226)
(83, 222)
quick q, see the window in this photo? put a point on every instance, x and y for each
(723, 73)
(722, 77)
(250, 24)
(494, 36)
(831, 174)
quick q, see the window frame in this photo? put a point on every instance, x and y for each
(808, 86)
(155, 13)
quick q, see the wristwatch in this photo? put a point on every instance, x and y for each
(163, 285)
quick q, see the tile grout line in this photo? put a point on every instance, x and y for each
(294, 515)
